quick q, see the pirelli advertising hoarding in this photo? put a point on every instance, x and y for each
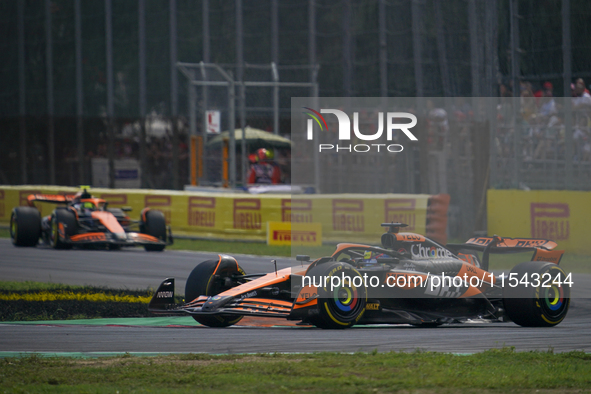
(343, 217)
(296, 234)
(562, 216)
(358, 217)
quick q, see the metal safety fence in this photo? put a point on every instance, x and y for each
(465, 146)
(255, 102)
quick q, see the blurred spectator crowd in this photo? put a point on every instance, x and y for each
(540, 121)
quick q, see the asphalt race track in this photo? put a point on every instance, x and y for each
(131, 268)
(136, 269)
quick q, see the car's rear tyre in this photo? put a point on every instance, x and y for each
(543, 305)
(208, 279)
(155, 225)
(340, 306)
(25, 226)
(66, 218)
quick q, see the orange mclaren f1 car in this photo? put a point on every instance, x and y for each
(84, 220)
(410, 279)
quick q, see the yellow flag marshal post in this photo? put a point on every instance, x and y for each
(300, 234)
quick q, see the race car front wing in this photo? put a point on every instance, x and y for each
(163, 303)
(117, 239)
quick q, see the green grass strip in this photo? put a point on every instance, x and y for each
(230, 247)
(71, 296)
(14, 287)
(494, 371)
(36, 301)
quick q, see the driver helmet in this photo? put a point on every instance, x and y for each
(264, 154)
(369, 258)
(81, 195)
(87, 205)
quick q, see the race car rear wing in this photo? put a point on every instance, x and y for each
(65, 199)
(500, 242)
(54, 198)
(542, 248)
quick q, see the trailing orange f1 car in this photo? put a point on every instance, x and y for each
(84, 220)
(409, 280)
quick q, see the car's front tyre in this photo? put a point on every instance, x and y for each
(342, 300)
(209, 279)
(154, 225)
(66, 219)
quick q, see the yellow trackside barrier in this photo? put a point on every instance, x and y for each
(343, 217)
(562, 216)
(296, 234)
(358, 217)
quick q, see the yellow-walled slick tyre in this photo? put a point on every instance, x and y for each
(541, 298)
(155, 225)
(67, 219)
(342, 305)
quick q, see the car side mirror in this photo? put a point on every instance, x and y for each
(126, 209)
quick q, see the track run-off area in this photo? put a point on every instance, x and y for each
(137, 269)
